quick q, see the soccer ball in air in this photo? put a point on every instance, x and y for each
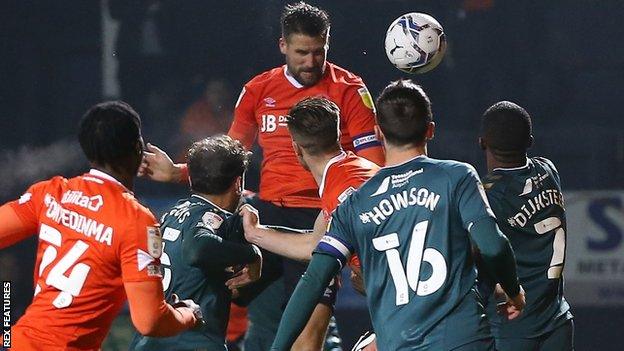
(415, 43)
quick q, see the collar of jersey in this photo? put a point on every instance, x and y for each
(105, 176)
(212, 203)
(526, 165)
(404, 162)
(333, 160)
(291, 79)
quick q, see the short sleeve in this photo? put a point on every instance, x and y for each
(29, 204)
(337, 240)
(244, 126)
(140, 249)
(358, 112)
(472, 201)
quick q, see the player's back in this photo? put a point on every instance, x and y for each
(530, 210)
(93, 237)
(414, 215)
(342, 176)
(205, 287)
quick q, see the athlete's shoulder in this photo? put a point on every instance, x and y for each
(451, 165)
(356, 165)
(264, 78)
(205, 214)
(140, 211)
(37, 192)
(495, 184)
(342, 77)
(56, 182)
(451, 170)
(544, 163)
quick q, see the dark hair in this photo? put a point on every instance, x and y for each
(109, 133)
(314, 125)
(403, 113)
(506, 128)
(305, 19)
(214, 164)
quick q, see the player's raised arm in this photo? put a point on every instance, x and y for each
(497, 254)
(294, 246)
(157, 165)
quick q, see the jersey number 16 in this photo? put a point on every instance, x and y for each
(416, 256)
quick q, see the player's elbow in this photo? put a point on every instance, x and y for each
(192, 258)
(152, 322)
(495, 248)
(147, 326)
(491, 242)
(192, 255)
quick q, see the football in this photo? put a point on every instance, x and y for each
(415, 43)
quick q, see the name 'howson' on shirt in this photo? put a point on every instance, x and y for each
(395, 202)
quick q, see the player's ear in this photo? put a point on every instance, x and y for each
(297, 149)
(282, 45)
(530, 141)
(482, 144)
(430, 131)
(379, 134)
(238, 183)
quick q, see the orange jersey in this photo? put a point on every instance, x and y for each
(342, 176)
(262, 106)
(93, 236)
(237, 325)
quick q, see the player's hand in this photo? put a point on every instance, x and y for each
(512, 307)
(157, 165)
(251, 223)
(249, 274)
(191, 305)
(357, 280)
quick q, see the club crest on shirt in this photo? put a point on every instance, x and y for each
(212, 220)
(154, 242)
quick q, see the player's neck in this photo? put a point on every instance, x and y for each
(317, 164)
(493, 162)
(396, 155)
(125, 179)
(224, 202)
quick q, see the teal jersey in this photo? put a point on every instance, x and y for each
(409, 225)
(529, 206)
(204, 286)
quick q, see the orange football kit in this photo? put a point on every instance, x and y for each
(343, 175)
(261, 112)
(94, 237)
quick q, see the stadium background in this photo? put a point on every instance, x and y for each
(182, 64)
